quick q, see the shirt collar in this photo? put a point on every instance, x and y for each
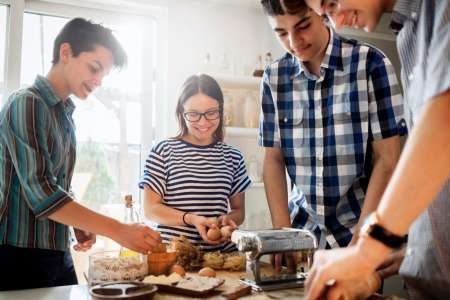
(49, 94)
(332, 58)
(404, 10)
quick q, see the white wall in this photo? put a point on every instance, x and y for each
(199, 27)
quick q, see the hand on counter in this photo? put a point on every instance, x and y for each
(358, 289)
(290, 258)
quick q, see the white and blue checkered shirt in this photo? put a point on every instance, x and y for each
(325, 125)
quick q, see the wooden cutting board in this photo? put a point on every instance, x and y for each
(232, 280)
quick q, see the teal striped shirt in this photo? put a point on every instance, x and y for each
(37, 157)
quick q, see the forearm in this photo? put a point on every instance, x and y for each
(162, 214)
(276, 193)
(70, 215)
(381, 174)
(422, 169)
(237, 215)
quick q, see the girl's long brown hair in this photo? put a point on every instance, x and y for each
(195, 84)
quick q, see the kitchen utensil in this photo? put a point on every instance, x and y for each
(257, 243)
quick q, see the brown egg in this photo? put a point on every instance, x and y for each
(213, 234)
(207, 272)
(178, 269)
(226, 231)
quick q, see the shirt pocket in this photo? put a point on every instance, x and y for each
(292, 131)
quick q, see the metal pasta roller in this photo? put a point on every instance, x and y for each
(257, 243)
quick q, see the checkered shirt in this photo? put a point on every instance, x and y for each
(324, 126)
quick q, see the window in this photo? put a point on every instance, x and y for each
(3, 17)
(109, 124)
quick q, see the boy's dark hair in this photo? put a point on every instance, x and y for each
(195, 84)
(83, 36)
(274, 8)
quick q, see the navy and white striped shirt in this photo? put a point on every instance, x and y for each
(195, 179)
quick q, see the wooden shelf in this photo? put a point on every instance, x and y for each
(241, 131)
(238, 82)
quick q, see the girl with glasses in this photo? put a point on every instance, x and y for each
(194, 177)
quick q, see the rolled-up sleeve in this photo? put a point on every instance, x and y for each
(385, 98)
(269, 134)
(25, 131)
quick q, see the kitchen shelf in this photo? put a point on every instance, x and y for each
(241, 132)
(238, 82)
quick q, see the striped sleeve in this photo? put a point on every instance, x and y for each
(25, 132)
(155, 171)
(241, 181)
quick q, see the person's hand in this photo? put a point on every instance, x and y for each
(392, 264)
(359, 289)
(85, 240)
(225, 220)
(346, 264)
(137, 237)
(291, 259)
(203, 224)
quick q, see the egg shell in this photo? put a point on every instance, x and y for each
(207, 272)
(214, 234)
(178, 269)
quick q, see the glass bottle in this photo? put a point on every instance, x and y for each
(131, 216)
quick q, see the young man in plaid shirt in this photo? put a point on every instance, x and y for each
(331, 116)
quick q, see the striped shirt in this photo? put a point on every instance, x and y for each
(195, 179)
(423, 42)
(325, 126)
(37, 156)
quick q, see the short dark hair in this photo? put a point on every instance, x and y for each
(274, 8)
(195, 84)
(83, 36)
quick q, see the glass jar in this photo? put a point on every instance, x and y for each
(227, 109)
(251, 111)
(108, 266)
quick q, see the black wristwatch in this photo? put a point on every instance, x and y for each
(373, 229)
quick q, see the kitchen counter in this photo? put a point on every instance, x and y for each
(80, 292)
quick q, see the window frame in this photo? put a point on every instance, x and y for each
(117, 14)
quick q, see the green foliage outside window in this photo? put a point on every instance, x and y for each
(102, 187)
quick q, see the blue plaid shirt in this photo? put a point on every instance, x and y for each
(324, 126)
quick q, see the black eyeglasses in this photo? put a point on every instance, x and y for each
(193, 116)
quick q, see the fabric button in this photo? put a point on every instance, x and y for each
(414, 15)
(285, 120)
